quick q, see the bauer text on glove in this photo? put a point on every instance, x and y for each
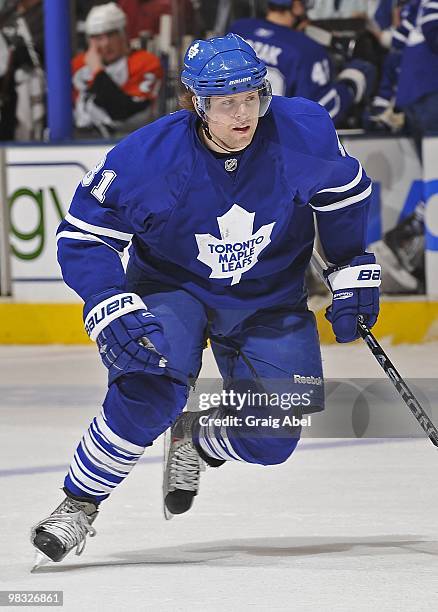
(355, 290)
(130, 338)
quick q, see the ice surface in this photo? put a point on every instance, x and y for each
(343, 525)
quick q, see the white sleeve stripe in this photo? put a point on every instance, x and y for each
(327, 97)
(346, 187)
(399, 36)
(85, 237)
(407, 24)
(427, 18)
(96, 229)
(344, 203)
(331, 96)
(379, 101)
(430, 5)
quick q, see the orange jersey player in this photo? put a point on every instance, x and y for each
(113, 88)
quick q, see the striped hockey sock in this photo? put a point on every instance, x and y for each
(214, 441)
(101, 461)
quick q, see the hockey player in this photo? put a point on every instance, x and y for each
(217, 202)
(414, 90)
(299, 66)
(417, 89)
(114, 88)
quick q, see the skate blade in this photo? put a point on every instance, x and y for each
(167, 515)
(39, 560)
(166, 444)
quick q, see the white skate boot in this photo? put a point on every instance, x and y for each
(182, 466)
(66, 528)
(183, 463)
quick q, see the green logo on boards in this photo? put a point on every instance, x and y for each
(40, 199)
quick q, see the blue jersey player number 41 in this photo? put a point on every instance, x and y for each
(217, 202)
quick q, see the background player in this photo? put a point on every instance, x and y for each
(299, 66)
(409, 85)
(114, 88)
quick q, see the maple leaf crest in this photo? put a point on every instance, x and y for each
(237, 250)
(193, 51)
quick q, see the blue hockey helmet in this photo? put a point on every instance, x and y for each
(222, 66)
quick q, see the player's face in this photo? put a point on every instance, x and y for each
(233, 119)
(111, 46)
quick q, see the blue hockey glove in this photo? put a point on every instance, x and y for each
(355, 292)
(360, 76)
(129, 337)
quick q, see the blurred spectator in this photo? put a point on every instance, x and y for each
(114, 88)
(382, 116)
(410, 79)
(299, 12)
(81, 10)
(338, 9)
(4, 55)
(7, 98)
(417, 88)
(401, 251)
(22, 82)
(298, 66)
(144, 15)
(359, 29)
(386, 17)
(228, 11)
(83, 7)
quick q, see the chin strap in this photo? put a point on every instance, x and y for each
(208, 135)
(206, 130)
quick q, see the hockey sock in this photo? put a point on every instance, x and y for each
(227, 435)
(212, 439)
(101, 461)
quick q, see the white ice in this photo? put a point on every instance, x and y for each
(342, 527)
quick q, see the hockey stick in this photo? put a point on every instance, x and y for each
(390, 370)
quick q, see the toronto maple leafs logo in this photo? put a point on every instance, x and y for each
(238, 249)
(193, 51)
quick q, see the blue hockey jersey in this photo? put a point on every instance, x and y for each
(417, 38)
(297, 65)
(233, 239)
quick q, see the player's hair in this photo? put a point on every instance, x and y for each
(185, 101)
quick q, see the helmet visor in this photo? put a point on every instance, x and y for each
(249, 105)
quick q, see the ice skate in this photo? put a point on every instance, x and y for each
(182, 466)
(401, 255)
(395, 278)
(406, 241)
(66, 528)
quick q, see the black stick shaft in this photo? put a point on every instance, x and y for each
(399, 383)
